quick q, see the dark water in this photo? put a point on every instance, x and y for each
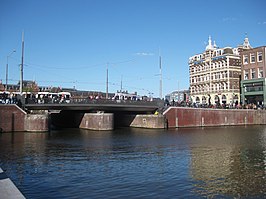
(138, 163)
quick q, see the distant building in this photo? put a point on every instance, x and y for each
(32, 86)
(29, 86)
(178, 96)
(215, 74)
(253, 84)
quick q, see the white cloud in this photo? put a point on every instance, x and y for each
(228, 19)
(144, 54)
(262, 23)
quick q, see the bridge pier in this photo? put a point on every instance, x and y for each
(97, 121)
(149, 121)
(37, 122)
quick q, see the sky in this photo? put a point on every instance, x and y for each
(72, 43)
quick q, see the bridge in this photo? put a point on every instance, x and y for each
(94, 114)
(99, 105)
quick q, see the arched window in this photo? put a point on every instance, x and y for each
(197, 100)
(217, 99)
(224, 99)
(235, 98)
(204, 100)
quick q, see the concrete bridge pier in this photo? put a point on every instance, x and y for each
(150, 121)
(97, 121)
(37, 122)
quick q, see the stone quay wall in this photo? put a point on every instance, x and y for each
(199, 117)
(14, 119)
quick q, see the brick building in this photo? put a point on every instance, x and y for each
(253, 89)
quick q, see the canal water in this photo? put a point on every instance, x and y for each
(226, 162)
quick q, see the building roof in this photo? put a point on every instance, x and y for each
(211, 46)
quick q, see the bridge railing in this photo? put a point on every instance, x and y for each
(158, 103)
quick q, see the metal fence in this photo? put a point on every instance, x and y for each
(93, 101)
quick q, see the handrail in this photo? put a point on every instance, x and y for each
(87, 101)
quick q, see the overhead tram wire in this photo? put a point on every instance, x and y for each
(62, 76)
(59, 67)
(131, 87)
(75, 67)
(64, 68)
(48, 72)
(28, 64)
(42, 68)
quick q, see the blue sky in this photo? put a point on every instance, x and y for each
(69, 42)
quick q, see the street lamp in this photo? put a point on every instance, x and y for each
(106, 82)
(7, 67)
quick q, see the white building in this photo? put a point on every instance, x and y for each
(215, 75)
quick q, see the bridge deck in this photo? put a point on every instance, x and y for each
(140, 108)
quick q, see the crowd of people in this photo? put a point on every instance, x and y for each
(218, 105)
(6, 98)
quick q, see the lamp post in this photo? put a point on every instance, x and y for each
(7, 67)
(161, 78)
(106, 96)
(21, 65)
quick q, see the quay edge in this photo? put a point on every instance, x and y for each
(179, 117)
(8, 189)
(14, 119)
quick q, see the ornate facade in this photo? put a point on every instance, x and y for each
(215, 75)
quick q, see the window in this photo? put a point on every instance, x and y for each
(193, 89)
(253, 73)
(259, 56)
(218, 87)
(245, 59)
(252, 58)
(260, 73)
(245, 74)
(225, 74)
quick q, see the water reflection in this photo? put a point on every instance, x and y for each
(186, 163)
(232, 165)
